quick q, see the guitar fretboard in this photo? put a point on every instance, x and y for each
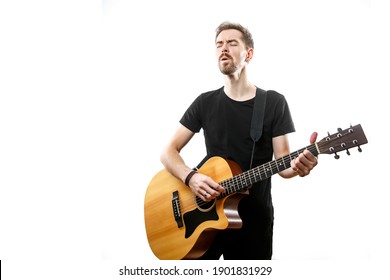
(261, 172)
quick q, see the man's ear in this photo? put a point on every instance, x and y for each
(249, 55)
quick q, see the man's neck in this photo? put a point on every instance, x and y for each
(239, 88)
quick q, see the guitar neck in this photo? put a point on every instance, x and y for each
(262, 172)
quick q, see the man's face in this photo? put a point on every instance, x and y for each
(231, 51)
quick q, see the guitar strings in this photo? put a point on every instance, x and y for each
(240, 181)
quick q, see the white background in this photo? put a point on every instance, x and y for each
(91, 91)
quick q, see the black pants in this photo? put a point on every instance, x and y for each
(252, 242)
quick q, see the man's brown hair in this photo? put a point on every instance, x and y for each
(247, 36)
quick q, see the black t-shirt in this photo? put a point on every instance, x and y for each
(226, 126)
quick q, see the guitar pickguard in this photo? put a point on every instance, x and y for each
(194, 218)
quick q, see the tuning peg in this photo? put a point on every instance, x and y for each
(355, 142)
(339, 129)
(336, 156)
(344, 146)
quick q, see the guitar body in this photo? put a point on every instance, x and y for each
(188, 233)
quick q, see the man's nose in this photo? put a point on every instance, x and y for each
(224, 48)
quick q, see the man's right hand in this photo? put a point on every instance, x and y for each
(205, 187)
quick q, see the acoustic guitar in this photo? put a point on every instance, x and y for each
(180, 225)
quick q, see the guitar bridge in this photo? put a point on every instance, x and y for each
(176, 209)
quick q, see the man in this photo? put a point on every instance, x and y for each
(225, 116)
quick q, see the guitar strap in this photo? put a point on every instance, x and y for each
(257, 119)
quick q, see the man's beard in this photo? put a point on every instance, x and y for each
(227, 69)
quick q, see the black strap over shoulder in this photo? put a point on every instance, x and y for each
(257, 118)
(258, 114)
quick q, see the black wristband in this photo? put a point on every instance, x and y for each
(189, 176)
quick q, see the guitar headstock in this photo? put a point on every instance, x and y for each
(342, 140)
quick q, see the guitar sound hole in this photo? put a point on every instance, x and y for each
(204, 206)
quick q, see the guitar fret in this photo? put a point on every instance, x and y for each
(250, 178)
(277, 165)
(247, 180)
(256, 175)
(270, 167)
(234, 183)
(239, 182)
(238, 179)
(265, 172)
(284, 163)
(275, 168)
(228, 186)
(259, 173)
